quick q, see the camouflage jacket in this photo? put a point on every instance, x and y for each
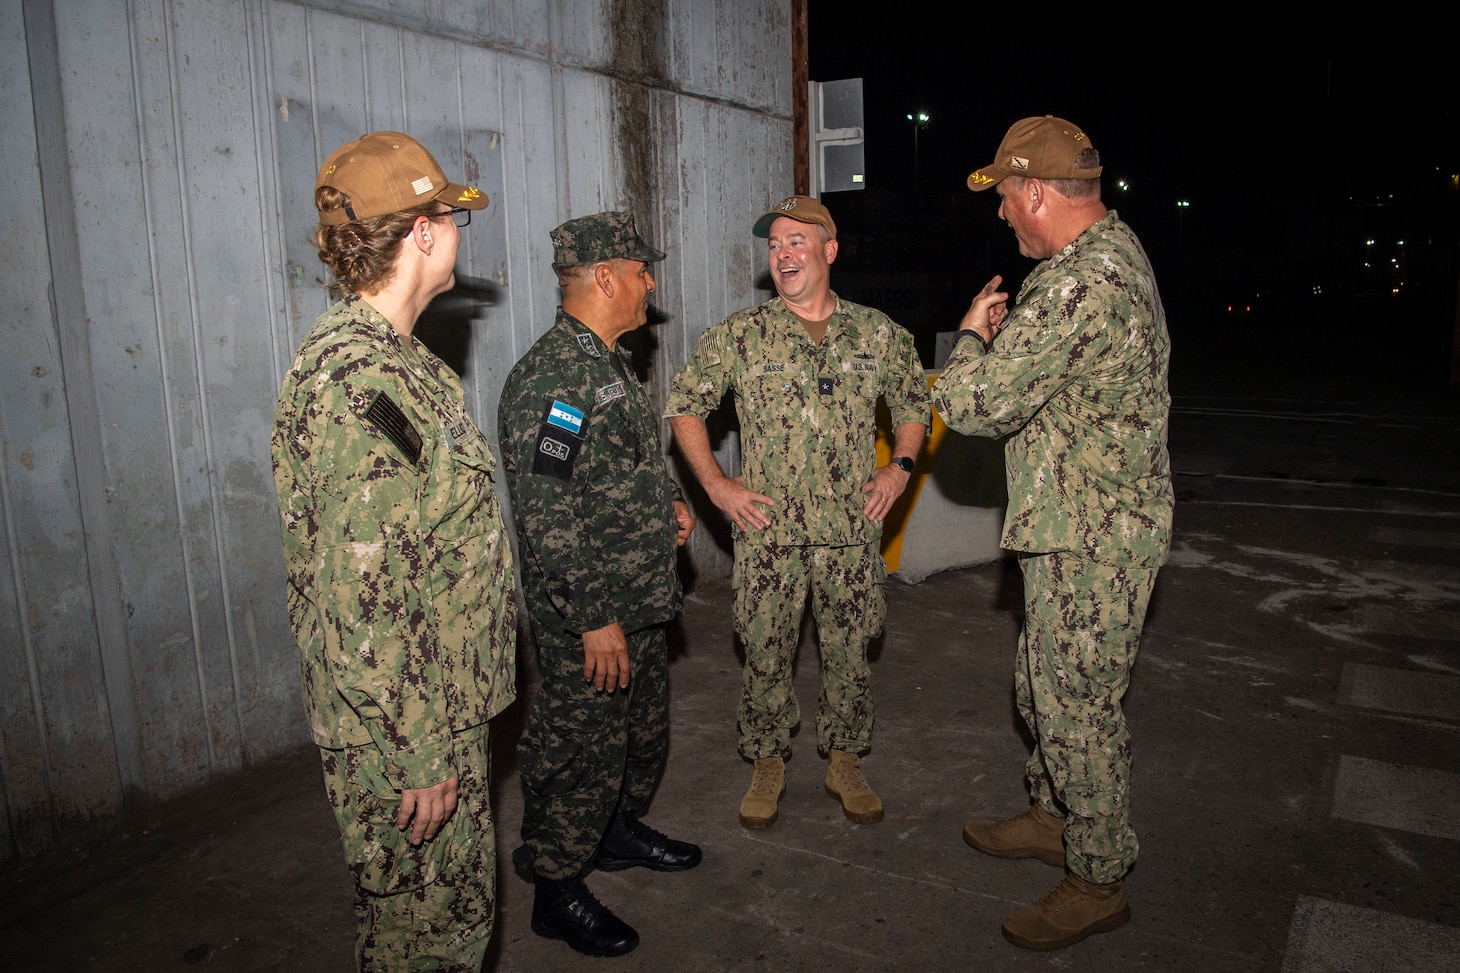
(592, 499)
(400, 572)
(808, 412)
(1077, 380)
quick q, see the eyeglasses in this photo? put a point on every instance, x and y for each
(460, 215)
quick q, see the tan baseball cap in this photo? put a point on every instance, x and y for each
(1042, 147)
(387, 172)
(802, 208)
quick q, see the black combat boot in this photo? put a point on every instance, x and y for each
(566, 910)
(630, 842)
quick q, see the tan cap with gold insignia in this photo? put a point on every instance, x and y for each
(1042, 147)
(388, 172)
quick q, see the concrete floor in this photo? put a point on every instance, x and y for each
(1295, 711)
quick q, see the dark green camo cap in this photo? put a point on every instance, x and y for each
(602, 236)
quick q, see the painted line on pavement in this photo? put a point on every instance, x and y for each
(1331, 937)
(1414, 799)
(1379, 620)
(1411, 691)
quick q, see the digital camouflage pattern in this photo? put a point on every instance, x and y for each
(586, 755)
(602, 236)
(771, 585)
(400, 598)
(808, 439)
(808, 412)
(1077, 380)
(400, 574)
(1082, 629)
(592, 499)
(593, 505)
(426, 907)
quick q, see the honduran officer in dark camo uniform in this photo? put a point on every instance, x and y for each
(598, 521)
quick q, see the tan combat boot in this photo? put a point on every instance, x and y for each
(1034, 834)
(767, 787)
(1073, 910)
(844, 781)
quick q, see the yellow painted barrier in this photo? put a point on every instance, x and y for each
(894, 527)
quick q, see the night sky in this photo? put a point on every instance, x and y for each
(1189, 121)
(1308, 171)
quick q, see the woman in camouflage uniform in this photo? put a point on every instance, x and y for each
(400, 574)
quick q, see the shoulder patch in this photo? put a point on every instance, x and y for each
(395, 425)
(565, 417)
(554, 457)
(559, 439)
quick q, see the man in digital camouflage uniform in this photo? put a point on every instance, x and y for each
(598, 524)
(1075, 375)
(399, 568)
(807, 368)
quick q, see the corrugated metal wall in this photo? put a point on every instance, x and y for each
(159, 159)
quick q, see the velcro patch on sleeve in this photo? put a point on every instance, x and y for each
(564, 417)
(559, 439)
(395, 425)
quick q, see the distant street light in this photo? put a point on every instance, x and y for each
(1181, 207)
(920, 121)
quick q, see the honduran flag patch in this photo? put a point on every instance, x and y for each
(559, 439)
(564, 416)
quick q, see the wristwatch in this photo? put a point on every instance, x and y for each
(903, 463)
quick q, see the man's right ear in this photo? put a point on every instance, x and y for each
(603, 276)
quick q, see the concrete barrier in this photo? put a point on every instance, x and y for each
(952, 513)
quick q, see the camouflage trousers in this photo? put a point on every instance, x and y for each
(1082, 628)
(429, 907)
(771, 586)
(586, 755)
